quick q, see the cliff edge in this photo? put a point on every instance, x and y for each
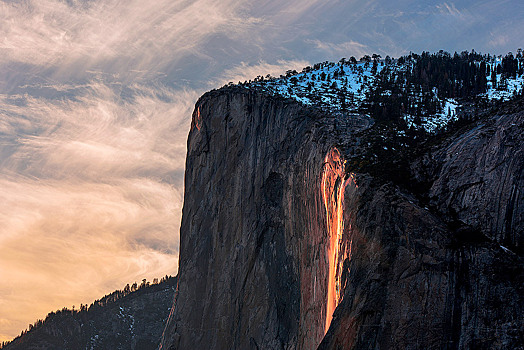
(284, 246)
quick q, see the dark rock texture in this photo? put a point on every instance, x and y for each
(435, 266)
(253, 265)
(441, 268)
(478, 180)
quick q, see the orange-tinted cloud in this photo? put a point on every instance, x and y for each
(91, 197)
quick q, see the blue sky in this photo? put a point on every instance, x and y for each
(95, 105)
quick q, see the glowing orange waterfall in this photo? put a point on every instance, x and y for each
(333, 186)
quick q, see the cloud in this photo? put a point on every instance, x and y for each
(498, 40)
(245, 71)
(113, 35)
(69, 243)
(92, 144)
(348, 48)
(449, 9)
(99, 133)
(91, 194)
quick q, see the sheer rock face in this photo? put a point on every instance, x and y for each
(253, 239)
(447, 274)
(480, 180)
(254, 256)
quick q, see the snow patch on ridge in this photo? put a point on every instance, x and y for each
(344, 87)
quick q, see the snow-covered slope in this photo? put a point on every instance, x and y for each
(327, 85)
(346, 87)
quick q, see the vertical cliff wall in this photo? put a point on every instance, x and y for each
(256, 251)
(277, 233)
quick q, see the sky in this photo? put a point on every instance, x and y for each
(95, 105)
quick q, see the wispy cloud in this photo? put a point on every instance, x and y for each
(245, 71)
(113, 35)
(498, 40)
(98, 134)
(449, 9)
(68, 243)
(344, 49)
(91, 195)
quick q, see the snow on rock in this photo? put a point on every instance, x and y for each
(345, 86)
(330, 85)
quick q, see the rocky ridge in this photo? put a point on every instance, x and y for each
(121, 320)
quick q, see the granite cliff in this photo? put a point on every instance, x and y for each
(287, 244)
